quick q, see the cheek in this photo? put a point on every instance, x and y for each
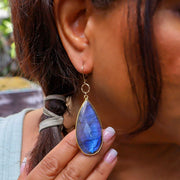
(110, 74)
(167, 32)
(111, 82)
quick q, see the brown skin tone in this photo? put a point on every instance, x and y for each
(155, 153)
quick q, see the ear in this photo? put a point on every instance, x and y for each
(71, 20)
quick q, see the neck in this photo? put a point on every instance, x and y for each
(141, 161)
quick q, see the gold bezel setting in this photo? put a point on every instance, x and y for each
(89, 154)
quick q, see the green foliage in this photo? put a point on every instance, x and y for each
(6, 27)
(12, 51)
(7, 46)
(4, 4)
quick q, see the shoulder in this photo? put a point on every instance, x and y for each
(30, 131)
(31, 121)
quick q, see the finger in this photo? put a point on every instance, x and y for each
(56, 159)
(22, 176)
(103, 170)
(23, 171)
(81, 165)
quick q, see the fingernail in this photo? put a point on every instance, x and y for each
(110, 156)
(23, 165)
(108, 134)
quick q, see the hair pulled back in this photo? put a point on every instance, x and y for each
(43, 58)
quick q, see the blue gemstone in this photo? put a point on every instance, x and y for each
(88, 129)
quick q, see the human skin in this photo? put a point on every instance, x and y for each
(93, 40)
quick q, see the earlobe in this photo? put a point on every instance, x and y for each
(71, 20)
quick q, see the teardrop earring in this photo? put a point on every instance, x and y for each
(88, 126)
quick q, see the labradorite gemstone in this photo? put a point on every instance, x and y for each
(88, 129)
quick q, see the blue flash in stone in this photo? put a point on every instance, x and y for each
(88, 129)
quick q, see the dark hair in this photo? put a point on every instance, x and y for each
(43, 58)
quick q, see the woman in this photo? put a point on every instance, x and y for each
(128, 53)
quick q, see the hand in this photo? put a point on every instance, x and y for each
(66, 162)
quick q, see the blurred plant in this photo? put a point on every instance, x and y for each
(8, 62)
(4, 4)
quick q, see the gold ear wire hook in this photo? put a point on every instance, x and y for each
(84, 79)
(85, 88)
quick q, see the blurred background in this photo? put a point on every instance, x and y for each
(16, 92)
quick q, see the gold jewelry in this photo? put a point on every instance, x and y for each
(88, 126)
